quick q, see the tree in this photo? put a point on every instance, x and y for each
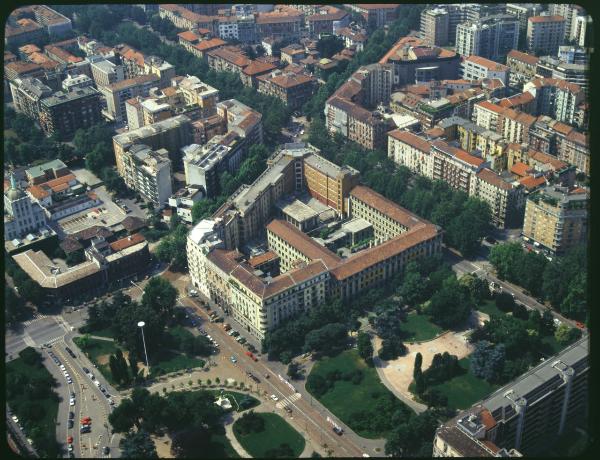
(250, 423)
(30, 356)
(487, 361)
(282, 451)
(328, 45)
(124, 417)
(566, 335)
(293, 370)
(478, 287)
(418, 363)
(519, 311)
(365, 347)
(138, 445)
(329, 339)
(160, 295)
(391, 348)
(451, 306)
(505, 258)
(505, 302)
(413, 287)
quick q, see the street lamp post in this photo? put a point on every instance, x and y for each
(141, 325)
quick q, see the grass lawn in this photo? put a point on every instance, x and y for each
(345, 398)
(489, 307)
(277, 431)
(418, 328)
(94, 350)
(170, 361)
(45, 427)
(106, 332)
(464, 390)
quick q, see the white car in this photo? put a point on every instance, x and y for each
(72, 402)
(62, 367)
(97, 383)
(69, 381)
(274, 398)
(15, 419)
(91, 376)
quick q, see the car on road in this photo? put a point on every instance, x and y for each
(15, 419)
(71, 415)
(288, 410)
(91, 376)
(106, 450)
(86, 420)
(69, 381)
(251, 356)
(85, 429)
(97, 383)
(241, 340)
(579, 325)
(72, 394)
(233, 359)
(193, 293)
(490, 239)
(557, 321)
(337, 430)
(111, 402)
(70, 440)
(70, 352)
(72, 402)
(267, 376)
(234, 333)
(86, 370)
(70, 424)
(62, 368)
(274, 398)
(70, 447)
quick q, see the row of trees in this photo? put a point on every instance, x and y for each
(443, 367)
(29, 388)
(319, 385)
(193, 413)
(561, 281)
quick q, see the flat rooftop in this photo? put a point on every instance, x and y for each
(296, 209)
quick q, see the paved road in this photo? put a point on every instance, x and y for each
(483, 269)
(307, 412)
(35, 332)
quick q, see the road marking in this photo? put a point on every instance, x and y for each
(28, 340)
(288, 400)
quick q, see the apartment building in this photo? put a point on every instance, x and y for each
(27, 94)
(505, 199)
(435, 26)
(581, 31)
(522, 67)
(283, 22)
(523, 11)
(326, 20)
(545, 34)
(203, 165)
(352, 37)
(376, 15)
(171, 134)
(549, 67)
(574, 149)
(74, 82)
(513, 125)
(414, 61)
(182, 202)
(291, 88)
(572, 13)
(556, 98)
(65, 113)
(491, 37)
(556, 218)
(292, 54)
(368, 86)
(116, 94)
(136, 64)
(255, 69)
(412, 151)
(202, 49)
(454, 166)
(477, 68)
(184, 18)
(526, 416)
(148, 172)
(105, 72)
(241, 28)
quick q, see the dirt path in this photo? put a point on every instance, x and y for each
(399, 372)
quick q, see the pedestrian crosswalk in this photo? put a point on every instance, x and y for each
(288, 400)
(35, 319)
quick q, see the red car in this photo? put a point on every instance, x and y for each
(70, 440)
(580, 325)
(86, 421)
(250, 355)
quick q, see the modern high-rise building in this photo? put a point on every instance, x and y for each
(571, 12)
(556, 218)
(116, 94)
(27, 94)
(525, 416)
(491, 37)
(435, 25)
(148, 172)
(523, 11)
(545, 34)
(65, 113)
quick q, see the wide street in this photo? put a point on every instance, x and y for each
(308, 413)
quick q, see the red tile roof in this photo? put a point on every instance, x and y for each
(261, 259)
(541, 19)
(411, 139)
(188, 35)
(531, 183)
(206, 45)
(520, 169)
(488, 64)
(258, 67)
(489, 176)
(524, 57)
(127, 242)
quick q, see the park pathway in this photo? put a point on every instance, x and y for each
(231, 436)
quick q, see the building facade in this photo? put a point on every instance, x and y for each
(491, 37)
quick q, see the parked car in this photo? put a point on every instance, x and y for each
(71, 415)
(86, 370)
(106, 450)
(233, 359)
(70, 423)
(338, 430)
(274, 398)
(579, 325)
(72, 402)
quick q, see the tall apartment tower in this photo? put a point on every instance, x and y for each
(523, 11)
(545, 34)
(435, 26)
(491, 37)
(523, 417)
(570, 12)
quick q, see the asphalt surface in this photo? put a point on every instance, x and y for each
(307, 412)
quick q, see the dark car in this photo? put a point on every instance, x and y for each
(106, 450)
(338, 430)
(70, 424)
(86, 370)
(71, 415)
